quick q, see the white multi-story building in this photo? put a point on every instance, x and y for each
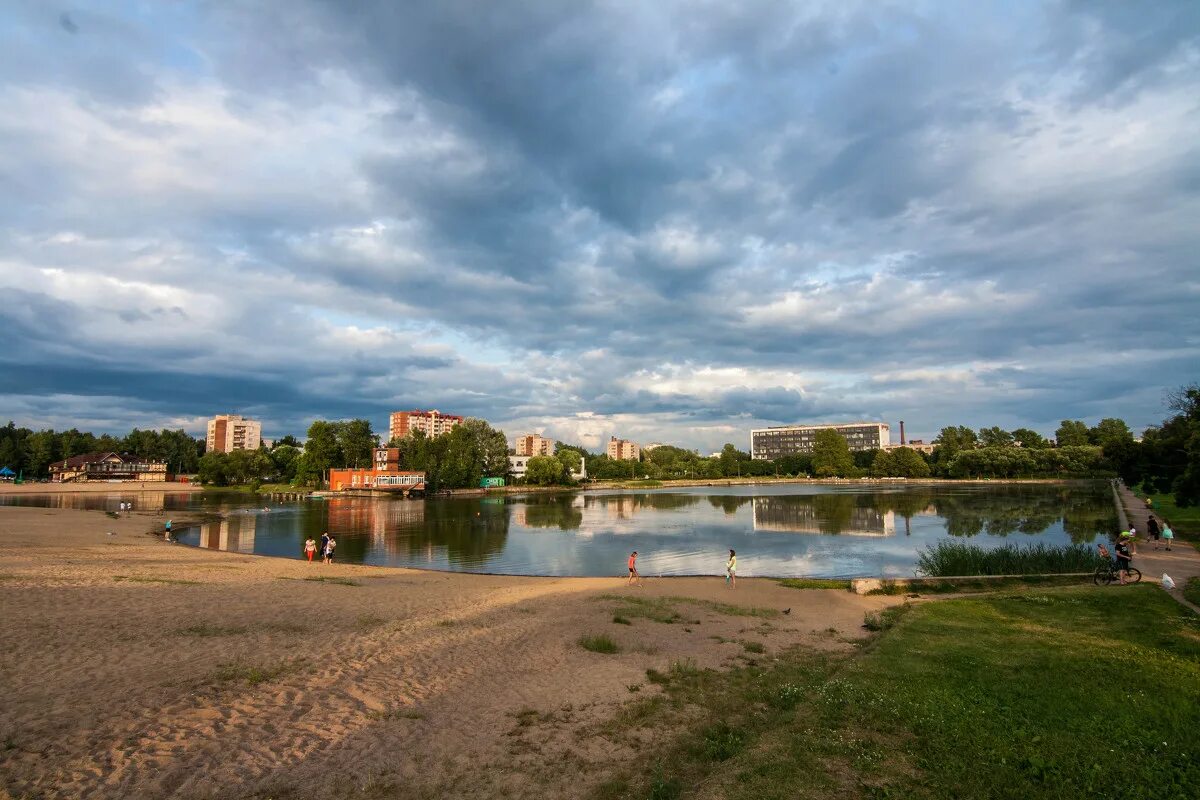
(788, 440)
(228, 432)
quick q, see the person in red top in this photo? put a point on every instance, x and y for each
(633, 573)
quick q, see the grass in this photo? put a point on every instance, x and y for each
(947, 558)
(142, 579)
(728, 609)
(1035, 693)
(655, 609)
(1184, 521)
(332, 579)
(815, 583)
(395, 713)
(205, 630)
(1192, 590)
(754, 647)
(619, 620)
(600, 643)
(234, 672)
(885, 619)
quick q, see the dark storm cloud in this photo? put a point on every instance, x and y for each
(545, 210)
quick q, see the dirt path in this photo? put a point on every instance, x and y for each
(1182, 562)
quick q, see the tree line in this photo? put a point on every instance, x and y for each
(32, 452)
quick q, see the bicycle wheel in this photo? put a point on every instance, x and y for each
(1103, 576)
(1134, 574)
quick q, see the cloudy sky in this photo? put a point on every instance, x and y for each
(669, 221)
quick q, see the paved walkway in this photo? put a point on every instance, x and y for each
(1181, 563)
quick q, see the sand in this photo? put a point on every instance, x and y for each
(136, 668)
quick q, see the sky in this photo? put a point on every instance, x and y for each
(671, 222)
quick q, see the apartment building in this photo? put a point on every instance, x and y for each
(229, 432)
(431, 423)
(787, 440)
(623, 449)
(533, 445)
(387, 459)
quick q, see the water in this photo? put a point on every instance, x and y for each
(777, 530)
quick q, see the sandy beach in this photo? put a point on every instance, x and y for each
(137, 668)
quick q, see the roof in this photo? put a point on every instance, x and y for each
(91, 458)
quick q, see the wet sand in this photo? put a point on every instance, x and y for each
(136, 668)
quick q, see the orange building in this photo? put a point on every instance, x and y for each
(533, 445)
(389, 480)
(623, 449)
(431, 423)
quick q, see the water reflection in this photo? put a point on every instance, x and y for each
(847, 529)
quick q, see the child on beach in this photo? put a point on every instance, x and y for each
(731, 570)
(310, 548)
(633, 573)
(329, 550)
(1168, 535)
(167, 530)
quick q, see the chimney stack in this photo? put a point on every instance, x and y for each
(902, 442)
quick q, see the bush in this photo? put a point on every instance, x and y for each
(601, 643)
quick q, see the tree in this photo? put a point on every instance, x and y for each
(995, 437)
(731, 460)
(287, 441)
(1029, 439)
(321, 450)
(571, 460)
(356, 442)
(285, 458)
(909, 463)
(1171, 451)
(1110, 431)
(545, 471)
(1071, 433)
(831, 454)
(490, 445)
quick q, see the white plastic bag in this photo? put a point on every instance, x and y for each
(1167, 582)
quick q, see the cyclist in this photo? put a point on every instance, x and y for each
(1124, 556)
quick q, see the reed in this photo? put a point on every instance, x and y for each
(948, 558)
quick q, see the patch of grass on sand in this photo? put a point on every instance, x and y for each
(1192, 590)
(728, 609)
(655, 609)
(333, 579)
(143, 579)
(204, 630)
(885, 619)
(366, 622)
(754, 647)
(943, 705)
(600, 643)
(396, 712)
(252, 674)
(619, 620)
(814, 583)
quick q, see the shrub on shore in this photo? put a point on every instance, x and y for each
(949, 558)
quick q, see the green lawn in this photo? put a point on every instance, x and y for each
(1035, 693)
(1185, 521)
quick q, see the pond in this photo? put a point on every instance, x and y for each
(779, 530)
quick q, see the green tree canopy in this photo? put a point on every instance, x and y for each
(1030, 439)
(545, 471)
(1071, 433)
(995, 436)
(831, 454)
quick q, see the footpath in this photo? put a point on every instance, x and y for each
(1182, 563)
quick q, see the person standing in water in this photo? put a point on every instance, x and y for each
(310, 548)
(731, 570)
(633, 573)
(167, 530)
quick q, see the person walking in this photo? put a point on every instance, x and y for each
(167, 530)
(310, 548)
(324, 545)
(329, 550)
(1168, 535)
(1152, 530)
(731, 570)
(634, 577)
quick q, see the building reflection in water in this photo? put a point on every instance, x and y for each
(235, 533)
(822, 514)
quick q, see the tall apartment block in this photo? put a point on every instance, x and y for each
(623, 449)
(788, 440)
(431, 423)
(228, 432)
(533, 445)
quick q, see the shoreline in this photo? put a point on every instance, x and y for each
(97, 487)
(273, 674)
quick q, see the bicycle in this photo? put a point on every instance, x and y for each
(1110, 572)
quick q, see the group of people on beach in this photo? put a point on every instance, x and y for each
(635, 579)
(328, 544)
